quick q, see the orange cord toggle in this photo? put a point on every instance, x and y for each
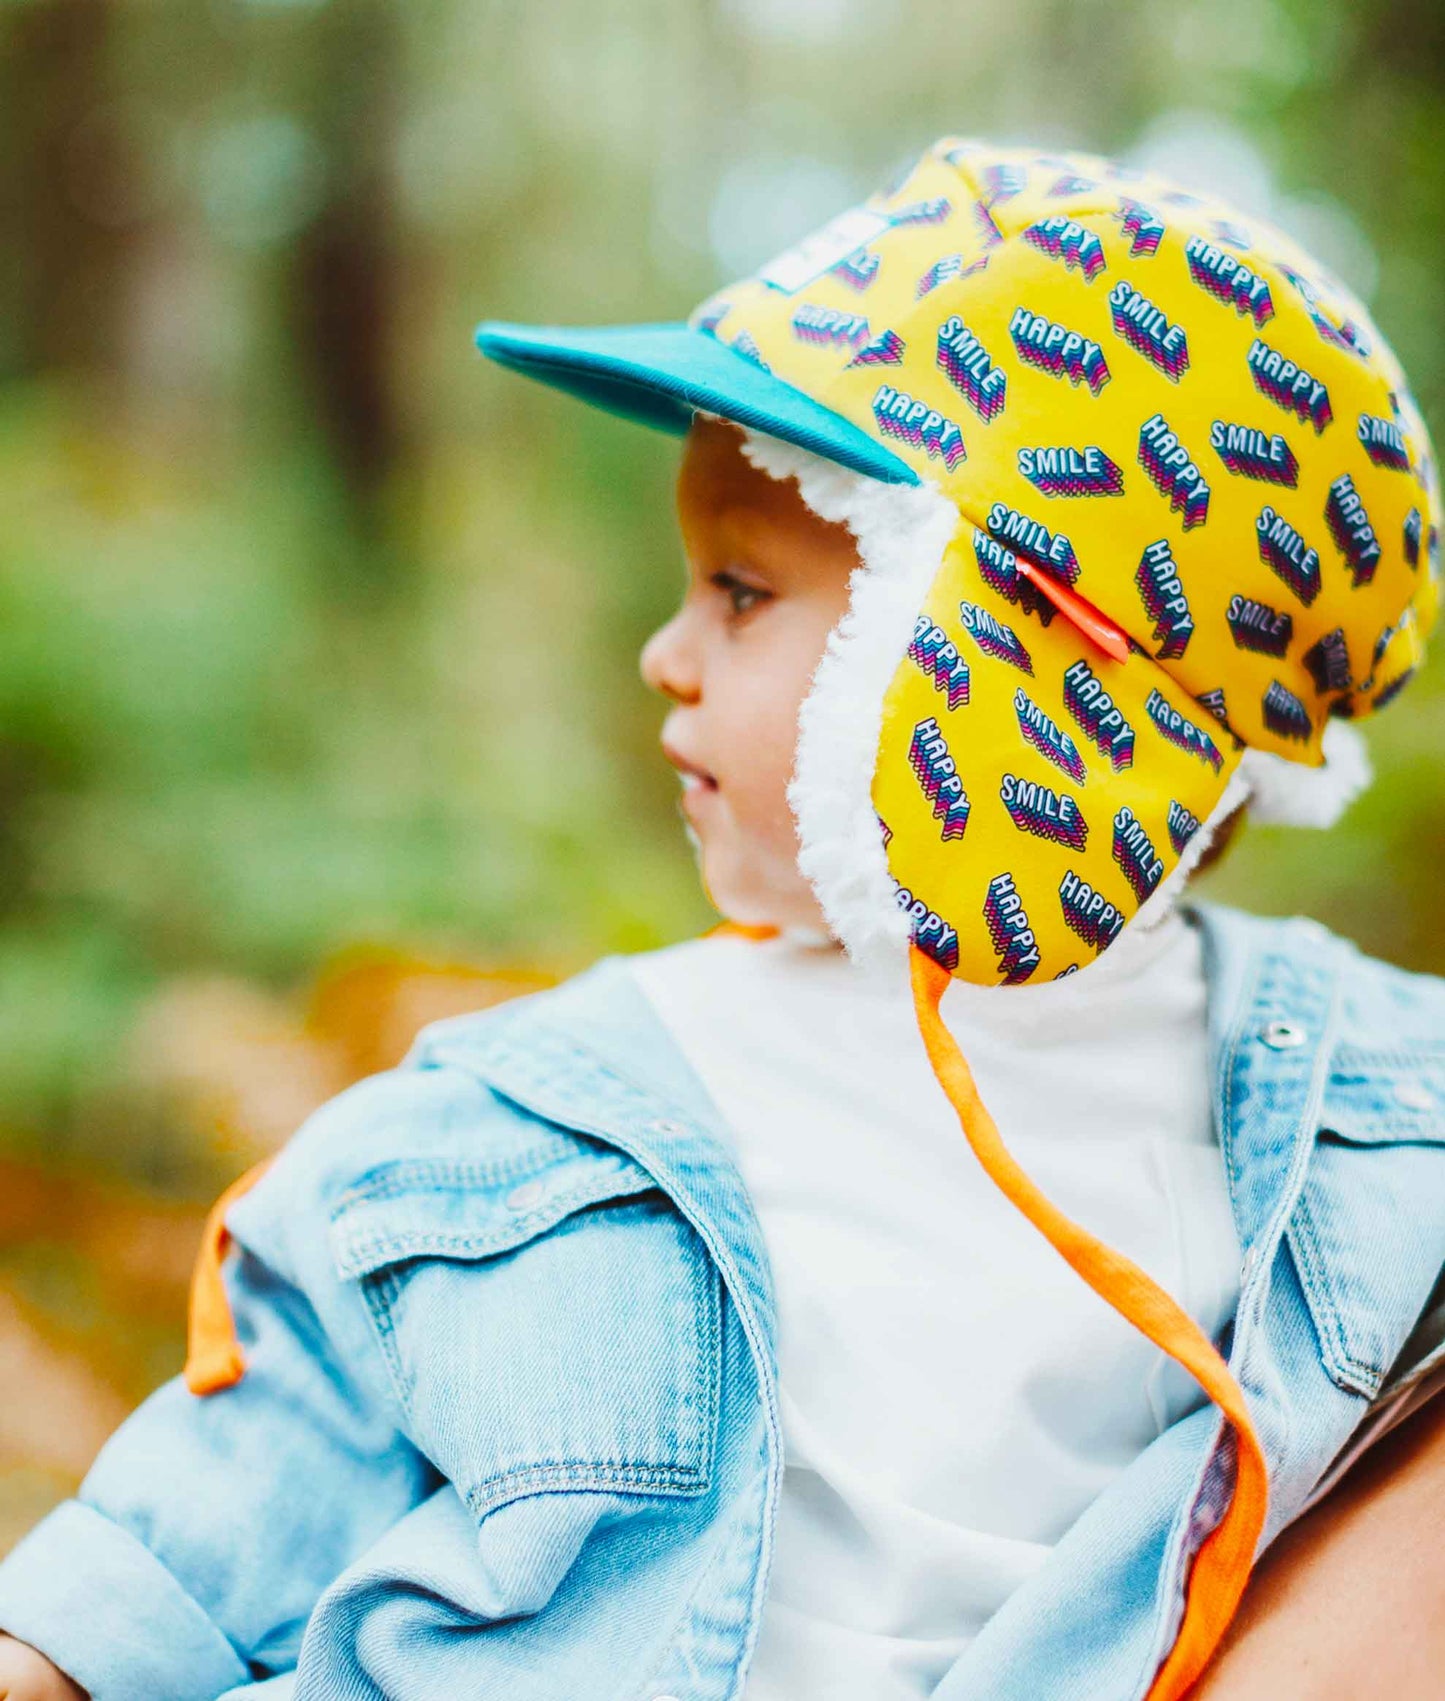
(1222, 1566)
(1111, 638)
(214, 1359)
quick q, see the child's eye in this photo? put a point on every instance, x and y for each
(742, 596)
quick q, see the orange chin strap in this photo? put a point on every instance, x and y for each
(1222, 1567)
(741, 930)
(214, 1359)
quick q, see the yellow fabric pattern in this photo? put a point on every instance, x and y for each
(1165, 406)
(1080, 775)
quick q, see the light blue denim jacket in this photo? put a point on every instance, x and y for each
(510, 1426)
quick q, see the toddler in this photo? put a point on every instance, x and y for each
(691, 1331)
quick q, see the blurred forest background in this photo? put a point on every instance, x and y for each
(319, 712)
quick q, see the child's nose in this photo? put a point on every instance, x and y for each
(669, 662)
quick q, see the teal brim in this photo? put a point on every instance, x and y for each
(661, 374)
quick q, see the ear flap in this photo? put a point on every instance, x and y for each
(902, 533)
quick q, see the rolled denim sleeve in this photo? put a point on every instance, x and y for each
(101, 1605)
(209, 1526)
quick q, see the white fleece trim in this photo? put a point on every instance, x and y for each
(1277, 793)
(1288, 794)
(902, 532)
(1166, 894)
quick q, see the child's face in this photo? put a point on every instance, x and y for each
(766, 582)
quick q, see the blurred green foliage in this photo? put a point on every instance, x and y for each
(315, 631)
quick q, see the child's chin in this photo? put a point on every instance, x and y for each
(739, 895)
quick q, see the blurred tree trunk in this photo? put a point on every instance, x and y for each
(61, 270)
(346, 263)
(1409, 36)
(64, 264)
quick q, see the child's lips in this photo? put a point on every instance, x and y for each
(693, 775)
(697, 784)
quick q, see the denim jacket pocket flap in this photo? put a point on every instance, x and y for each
(1375, 1098)
(1368, 1231)
(552, 1325)
(417, 1208)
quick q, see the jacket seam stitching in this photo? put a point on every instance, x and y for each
(389, 1179)
(722, 1550)
(1178, 1588)
(1230, 1061)
(476, 1244)
(706, 1325)
(562, 1474)
(647, 1099)
(1313, 1268)
(383, 1291)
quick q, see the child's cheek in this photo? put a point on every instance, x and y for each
(765, 765)
(755, 842)
(751, 860)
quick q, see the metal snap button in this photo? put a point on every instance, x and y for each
(1282, 1036)
(1414, 1095)
(524, 1197)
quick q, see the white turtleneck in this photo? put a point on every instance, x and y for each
(953, 1396)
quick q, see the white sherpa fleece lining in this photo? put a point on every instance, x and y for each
(902, 533)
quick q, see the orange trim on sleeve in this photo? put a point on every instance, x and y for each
(214, 1359)
(1222, 1566)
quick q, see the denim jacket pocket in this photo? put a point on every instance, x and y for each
(551, 1321)
(1368, 1231)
